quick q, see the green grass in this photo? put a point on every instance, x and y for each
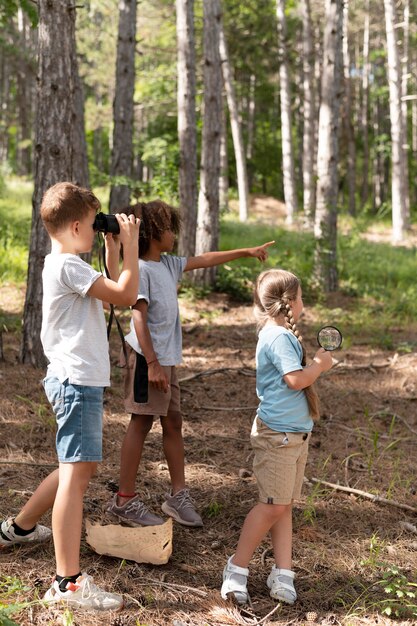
(378, 279)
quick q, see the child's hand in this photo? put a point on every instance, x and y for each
(129, 229)
(324, 359)
(112, 243)
(157, 377)
(260, 252)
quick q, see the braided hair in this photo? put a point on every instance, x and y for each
(275, 290)
(156, 217)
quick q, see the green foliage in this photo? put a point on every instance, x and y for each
(10, 586)
(9, 8)
(15, 217)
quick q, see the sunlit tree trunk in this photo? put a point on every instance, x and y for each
(54, 151)
(187, 132)
(365, 106)
(350, 138)
(290, 192)
(325, 226)
(397, 135)
(404, 108)
(241, 173)
(122, 152)
(309, 183)
(208, 200)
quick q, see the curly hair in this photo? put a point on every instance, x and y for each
(156, 217)
(275, 290)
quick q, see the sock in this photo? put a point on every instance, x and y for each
(20, 531)
(64, 580)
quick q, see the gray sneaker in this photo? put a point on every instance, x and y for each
(8, 537)
(134, 512)
(182, 508)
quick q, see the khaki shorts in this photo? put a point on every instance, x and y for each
(279, 463)
(159, 403)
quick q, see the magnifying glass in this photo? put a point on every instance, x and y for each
(330, 338)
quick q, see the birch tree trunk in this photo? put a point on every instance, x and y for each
(54, 150)
(404, 89)
(394, 79)
(122, 152)
(290, 193)
(208, 200)
(351, 153)
(325, 226)
(309, 185)
(365, 106)
(241, 172)
(187, 132)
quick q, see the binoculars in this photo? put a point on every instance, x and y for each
(106, 224)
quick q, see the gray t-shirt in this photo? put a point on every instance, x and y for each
(73, 330)
(158, 286)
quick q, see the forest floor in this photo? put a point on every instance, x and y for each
(344, 543)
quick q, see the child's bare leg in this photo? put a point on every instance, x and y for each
(131, 453)
(41, 501)
(281, 535)
(173, 445)
(67, 515)
(256, 525)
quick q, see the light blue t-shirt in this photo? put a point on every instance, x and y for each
(279, 352)
(158, 286)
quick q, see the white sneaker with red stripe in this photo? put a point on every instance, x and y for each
(84, 594)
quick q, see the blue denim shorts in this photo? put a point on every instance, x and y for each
(79, 415)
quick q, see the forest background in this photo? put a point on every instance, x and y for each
(313, 143)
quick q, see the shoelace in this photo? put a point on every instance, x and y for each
(184, 499)
(137, 507)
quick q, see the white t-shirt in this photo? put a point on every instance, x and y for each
(73, 332)
(158, 286)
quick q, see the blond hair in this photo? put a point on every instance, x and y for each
(275, 291)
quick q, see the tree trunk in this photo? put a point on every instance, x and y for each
(290, 192)
(397, 134)
(309, 184)
(350, 138)
(365, 106)
(224, 165)
(54, 151)
(187, 132)
(404, 89)
(241, 172)
(325, 226)
(122, 153)
(208, 200)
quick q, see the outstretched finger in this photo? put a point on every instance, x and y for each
(269, 243)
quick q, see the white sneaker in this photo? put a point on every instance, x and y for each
(8, 537)
(235, 581)
(280, 582)
(84, 594)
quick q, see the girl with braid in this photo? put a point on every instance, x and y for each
(288, 405)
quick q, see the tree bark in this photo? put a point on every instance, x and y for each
(241, 172)
(309, 97)
(325, 227)
(397, 134)
(122, 152)
(290, 192)
(208, 201)
(54, 150)
(404, 88)
(224, 165)
(350, 137)
(187, 132)
(365, 106)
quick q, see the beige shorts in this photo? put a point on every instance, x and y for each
(279, 463)
(159, 403)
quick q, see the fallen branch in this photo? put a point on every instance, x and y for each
(227, 408)
(246, 371)
(394, 415)
(407, 526)
(184, 588)
(365, 494)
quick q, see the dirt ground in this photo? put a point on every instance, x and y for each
(366, 440)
